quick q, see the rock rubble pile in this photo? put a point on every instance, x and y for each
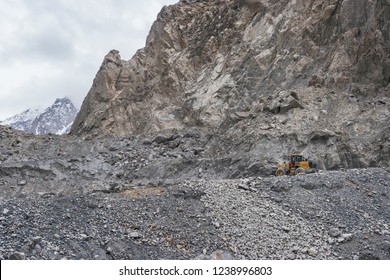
(67, 198)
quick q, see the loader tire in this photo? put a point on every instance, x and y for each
(280, 172)
(300, 171)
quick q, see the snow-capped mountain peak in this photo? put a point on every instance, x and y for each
(56, 119)
(26, 116)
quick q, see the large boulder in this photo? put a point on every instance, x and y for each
(282, 103)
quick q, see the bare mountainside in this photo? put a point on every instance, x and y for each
(269, 77)
(173, 153)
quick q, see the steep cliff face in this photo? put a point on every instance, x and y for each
(311, 76)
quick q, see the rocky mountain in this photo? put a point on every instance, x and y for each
(265, 77)
(172, 155)
(24, 120)
(56, 119)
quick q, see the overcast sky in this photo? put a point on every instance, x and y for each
(53, 48)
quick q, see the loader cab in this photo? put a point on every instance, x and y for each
(299, 161)
(297, 158)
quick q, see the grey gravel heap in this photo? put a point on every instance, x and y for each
(92, 198)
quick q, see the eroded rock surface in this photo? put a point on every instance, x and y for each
(259, 71)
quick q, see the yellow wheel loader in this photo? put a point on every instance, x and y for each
(298, 165)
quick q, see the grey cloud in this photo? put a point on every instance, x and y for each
(48, 45)
(70, 37)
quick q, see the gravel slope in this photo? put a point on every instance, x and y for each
(332, 215)
(163, 198)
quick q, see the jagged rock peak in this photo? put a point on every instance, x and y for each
(113, 57)
(63, 102)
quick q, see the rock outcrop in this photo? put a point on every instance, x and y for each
(269, 77)
(204, 59)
